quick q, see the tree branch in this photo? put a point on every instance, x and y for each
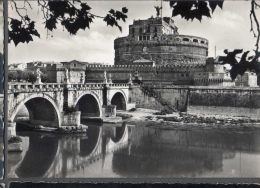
(17, 10)
(252, 14)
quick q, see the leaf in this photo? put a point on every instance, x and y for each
(85, 7)
(27, 18)
(214, 4)
(172, 3)
(124, 10)
(112, 11)
(15, 24)
(203, 9)
(35, 32)
(51, 23)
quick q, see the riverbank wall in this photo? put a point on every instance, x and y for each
(199, 99)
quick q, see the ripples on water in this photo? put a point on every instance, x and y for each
(132, 151)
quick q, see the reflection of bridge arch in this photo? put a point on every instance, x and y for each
(89, 105)
(120, 140)
(41, 153)
(120, 133)
(89, 146)
(119, 99)
(42, 110)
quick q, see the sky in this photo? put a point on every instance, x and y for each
(228, 28)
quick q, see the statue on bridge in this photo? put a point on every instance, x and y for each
(105, 77)
(38, 79)
(130, 79)
(66, 75)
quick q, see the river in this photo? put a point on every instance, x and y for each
(123, 150)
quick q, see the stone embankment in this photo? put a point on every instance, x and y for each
(194, 122)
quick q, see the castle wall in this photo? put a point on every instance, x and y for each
(171, 74)
(144, 100)
(203, 100)
(167, 49)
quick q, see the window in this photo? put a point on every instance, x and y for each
(133, 32)
(144, 37)
(148, 38)
(202, 42)
(195, 40)
(186, 39)
(140, 37)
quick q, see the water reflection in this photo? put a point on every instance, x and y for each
(131, 151)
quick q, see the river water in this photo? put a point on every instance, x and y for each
(124, 150)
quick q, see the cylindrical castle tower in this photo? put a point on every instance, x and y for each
(158, 41)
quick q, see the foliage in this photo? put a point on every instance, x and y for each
(11, 76)
(25, 75)
(245, 63)
(72, 16)
(194, 9)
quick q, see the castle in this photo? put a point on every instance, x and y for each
(155, 53)
(157, 40)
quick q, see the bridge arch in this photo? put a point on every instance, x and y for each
(89, 105)
(37, 105)
(119, 99)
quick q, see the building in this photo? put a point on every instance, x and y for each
(249, 79)
(56, 73)
(214, 74)
(33, 66)
(157, 39)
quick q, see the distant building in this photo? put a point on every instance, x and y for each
(18, 66)
(213, 75)
(33, 66)
(157, 39)
(56, 73)
(249, 79)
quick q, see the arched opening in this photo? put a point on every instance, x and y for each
(186, 40)
(88, 106)
(39, 157)
(119, 133)
(37, 111)
(119, 100)
(89, 144)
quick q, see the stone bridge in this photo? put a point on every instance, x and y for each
(55, 105)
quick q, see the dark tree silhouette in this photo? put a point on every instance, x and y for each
(71, 15)
(196, 9)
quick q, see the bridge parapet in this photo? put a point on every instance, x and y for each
(121, 85)
(28, 87)
(80, 86)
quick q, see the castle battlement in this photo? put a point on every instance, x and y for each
(165, 39)
(146, 68)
